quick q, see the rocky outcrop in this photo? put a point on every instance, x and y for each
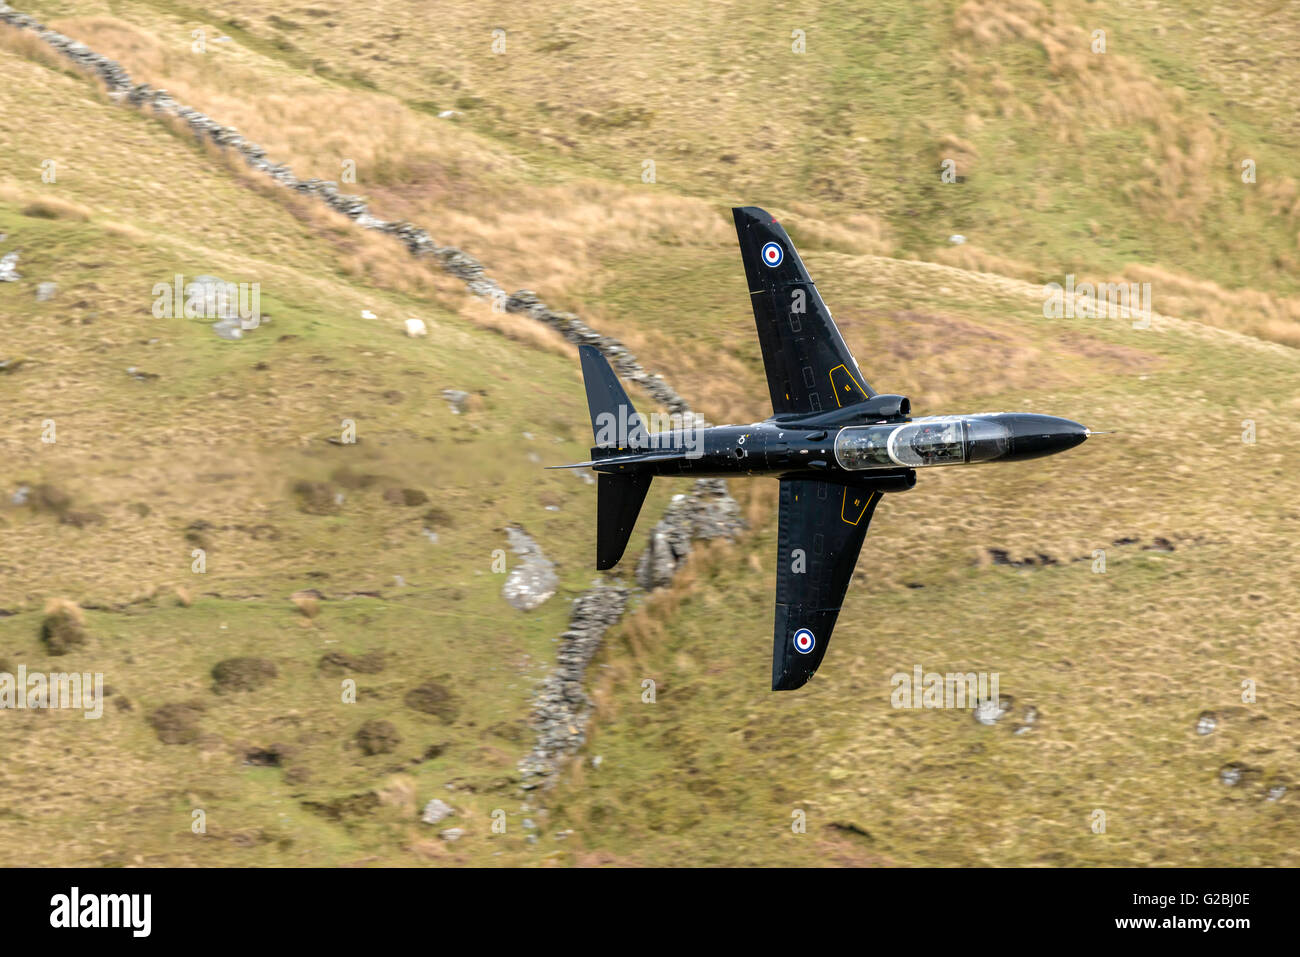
(708, 512)
(9, 267)
(436, 811)
(216, 299)
(457, 399)
(533, 580)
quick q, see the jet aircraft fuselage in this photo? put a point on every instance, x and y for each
(834, 442)
(872, 450)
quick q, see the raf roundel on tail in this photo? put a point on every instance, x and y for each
(833, 442)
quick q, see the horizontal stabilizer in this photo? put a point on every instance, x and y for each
(618, 502)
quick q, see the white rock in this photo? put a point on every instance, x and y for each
(533, 579)
(416, 327)
(456, 399)
(989, 711)
(436, 811)
(367, 314)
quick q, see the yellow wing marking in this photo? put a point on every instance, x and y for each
(861, 501)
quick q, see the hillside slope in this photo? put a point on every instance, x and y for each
(170, 438)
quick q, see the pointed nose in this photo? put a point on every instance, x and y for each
(1033, 436)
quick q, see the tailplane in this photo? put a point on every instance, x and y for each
(613, 422)
(618, 502)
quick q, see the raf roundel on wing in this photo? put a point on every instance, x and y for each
(773, 254)
(804, 641)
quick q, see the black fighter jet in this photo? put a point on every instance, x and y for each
(834, 442)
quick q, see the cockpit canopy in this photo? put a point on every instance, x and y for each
(864, 447)
(929, 442)
(937, 440)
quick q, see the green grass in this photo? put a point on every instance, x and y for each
(541, 179)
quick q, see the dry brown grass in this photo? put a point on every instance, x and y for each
(50, 207)
(127, 231)
(990, 22)
(855, 233)
(1102, 91)
(29, 46)
(64, 626)
(307, 603)
(517, 328)
(973, 257)
(1282, 195)
(587, 225)
(66, 608)
(387, 141)
(1251, 311)
(400, 792)
(43, 206)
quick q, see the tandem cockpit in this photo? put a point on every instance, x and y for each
(937, 440)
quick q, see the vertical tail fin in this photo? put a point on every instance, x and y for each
(613, 419)
(612, 412)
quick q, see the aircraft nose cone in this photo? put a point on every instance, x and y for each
(1033, 436)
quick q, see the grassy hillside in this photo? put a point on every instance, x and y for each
(1122, 164)
(226, 447)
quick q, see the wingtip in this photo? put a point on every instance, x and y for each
(789, 682)
(751, 214)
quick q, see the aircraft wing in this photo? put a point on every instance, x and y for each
(809, 368)
(821, 528)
